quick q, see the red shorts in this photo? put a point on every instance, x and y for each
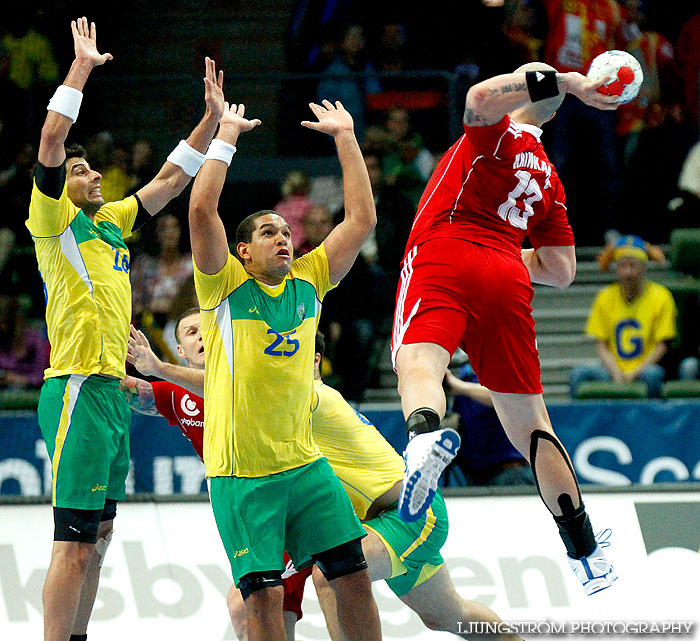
(293, 582)
(455, 293)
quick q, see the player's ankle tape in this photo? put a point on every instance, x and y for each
(422, 421)
(576, 533)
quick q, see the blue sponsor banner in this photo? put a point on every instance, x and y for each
(162, 459)
(624, 442)
(614, 443)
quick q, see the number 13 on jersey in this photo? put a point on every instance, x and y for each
(515, 211)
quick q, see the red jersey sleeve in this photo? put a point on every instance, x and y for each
(553, 230)
(162, 395)
(493, 140)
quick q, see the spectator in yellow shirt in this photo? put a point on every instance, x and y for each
(633, 321)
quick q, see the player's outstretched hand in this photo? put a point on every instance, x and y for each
(332, 119)
(128, 382)
(140, 354)
(586, 90)
(213, 89)
(233, 116)
(85, 43)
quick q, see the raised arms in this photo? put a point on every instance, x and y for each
(344, 242)
(488, 101)
(172, 178)
(69, 95)
(207, 233)
(64, 106)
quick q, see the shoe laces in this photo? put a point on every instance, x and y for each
(603, 537)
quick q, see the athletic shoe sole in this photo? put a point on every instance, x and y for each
(421, 485)
(599, 584)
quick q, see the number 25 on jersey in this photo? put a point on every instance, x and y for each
(282, 345)
(518, 208)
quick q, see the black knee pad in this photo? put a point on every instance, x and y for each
(109, 511)
(255, 581)
(75, 525)
(341, 560)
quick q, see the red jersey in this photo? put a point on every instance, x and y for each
(579, 30)
(494, 187)
(181, 408)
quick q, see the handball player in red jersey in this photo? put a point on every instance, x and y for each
(466, 282)
(178, 398)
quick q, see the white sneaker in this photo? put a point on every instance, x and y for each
(594, 571)
(426, 456)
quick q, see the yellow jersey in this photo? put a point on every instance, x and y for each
(85, 269)
(258, 387)
(632, 330)
(360, 456)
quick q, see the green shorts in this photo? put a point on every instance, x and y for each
(85, 423)
(414, 548)
(304, 510)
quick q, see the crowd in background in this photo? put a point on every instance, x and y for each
(621, 169)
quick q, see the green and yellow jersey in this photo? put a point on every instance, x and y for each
(366, 464)
(85, 269)
(632, 330)
(259, 344)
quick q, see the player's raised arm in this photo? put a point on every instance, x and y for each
(186, 159)
(64, 106)
(142, 357)
(207, 233)
(344, 242)
(488, 101)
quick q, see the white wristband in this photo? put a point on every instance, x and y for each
(187, 158)
(221, 150)
(66, 101)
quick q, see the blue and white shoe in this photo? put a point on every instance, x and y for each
(594, 571)
(426, 456)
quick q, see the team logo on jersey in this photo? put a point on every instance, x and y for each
(289, 570)
(515, 131)
(188, 406)
(301, 310)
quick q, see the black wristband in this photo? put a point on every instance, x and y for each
(541, 84)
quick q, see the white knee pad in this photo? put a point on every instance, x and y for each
(102, 544)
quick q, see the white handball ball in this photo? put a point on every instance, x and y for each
(625, 73)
